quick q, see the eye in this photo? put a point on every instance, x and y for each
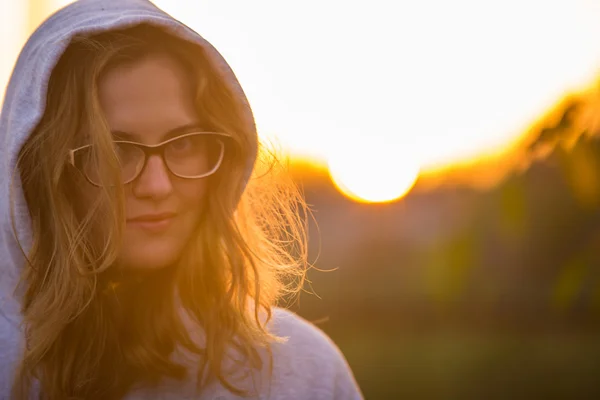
(182, 144)
(127, 152)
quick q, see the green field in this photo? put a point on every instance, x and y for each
(462, 366)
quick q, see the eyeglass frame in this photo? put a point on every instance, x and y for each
(155, 149)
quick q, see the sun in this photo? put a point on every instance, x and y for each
(373, 171)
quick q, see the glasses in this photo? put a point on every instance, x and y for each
(190, 156)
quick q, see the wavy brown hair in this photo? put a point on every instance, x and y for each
(94, 334)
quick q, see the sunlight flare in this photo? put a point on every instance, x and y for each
(457, 81)
(373, 171)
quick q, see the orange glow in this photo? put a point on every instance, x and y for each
(457, 82)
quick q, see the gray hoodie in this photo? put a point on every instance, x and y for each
(307, 366)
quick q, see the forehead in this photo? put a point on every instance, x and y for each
(147, 98)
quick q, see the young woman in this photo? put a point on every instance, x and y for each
(142, 253)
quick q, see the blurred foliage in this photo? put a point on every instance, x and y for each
(464, 293)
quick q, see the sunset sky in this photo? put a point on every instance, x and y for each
(384, 88)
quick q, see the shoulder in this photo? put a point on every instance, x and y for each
(10, 347)
(309, 358)
(299, 332)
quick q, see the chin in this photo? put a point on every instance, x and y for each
(143, 250)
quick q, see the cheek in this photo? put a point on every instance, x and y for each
(90, 203)
(85, 194)
(85, 198)
(192, 193)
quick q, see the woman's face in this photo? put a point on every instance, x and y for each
(150, 101)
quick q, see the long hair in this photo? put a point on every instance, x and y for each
(91, 337)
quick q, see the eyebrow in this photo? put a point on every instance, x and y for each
(180, 130)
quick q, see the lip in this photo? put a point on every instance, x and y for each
(152, 222)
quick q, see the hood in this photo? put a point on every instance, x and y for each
(24, 105)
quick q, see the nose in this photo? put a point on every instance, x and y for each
(154, 182)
